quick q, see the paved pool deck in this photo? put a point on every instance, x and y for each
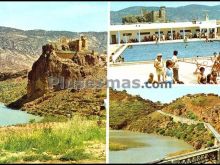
(141, 71)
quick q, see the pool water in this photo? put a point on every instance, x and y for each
(185, 50)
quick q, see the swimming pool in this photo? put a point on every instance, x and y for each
(190, 49)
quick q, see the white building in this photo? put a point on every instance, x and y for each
(146, 32)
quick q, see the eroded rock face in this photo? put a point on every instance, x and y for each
(49, 67)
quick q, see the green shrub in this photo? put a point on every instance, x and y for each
(200, 127)
(32, 121)
(177, 105)
(75, 155)
(9, 160)
(191, 115)
(210, 144)
(34, 157)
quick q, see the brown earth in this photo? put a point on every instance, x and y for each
(199, 107)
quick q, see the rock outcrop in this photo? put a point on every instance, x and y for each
(51, 72)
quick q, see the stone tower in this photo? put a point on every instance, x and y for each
(162, 13)
(84, 44)
(153, 16)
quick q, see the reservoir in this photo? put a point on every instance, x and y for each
(12, 117)
(157, 147)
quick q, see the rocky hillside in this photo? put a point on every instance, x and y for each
(87, 102)
(136, 114)
(183, 13)
(199, 107)
(19, 48)
(126, 109)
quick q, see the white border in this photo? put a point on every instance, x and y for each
(107, 104)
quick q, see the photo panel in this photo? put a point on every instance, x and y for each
(53, 71)
(164, 76)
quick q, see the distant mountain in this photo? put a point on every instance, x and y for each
(183, 13)
(19, 48)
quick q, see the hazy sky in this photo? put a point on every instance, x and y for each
(121, 5)
(169, 94)
(68, 16)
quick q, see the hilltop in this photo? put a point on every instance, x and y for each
(182, 13)
(198, 107)
(20, 48)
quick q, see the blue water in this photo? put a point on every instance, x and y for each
(12, 117)
(190, 49)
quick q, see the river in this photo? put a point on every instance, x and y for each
(12, 117)
(157, 147)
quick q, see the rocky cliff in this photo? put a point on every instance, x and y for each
(50, 72)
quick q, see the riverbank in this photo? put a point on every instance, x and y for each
(58, 137)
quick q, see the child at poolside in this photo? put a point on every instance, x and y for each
(151, 79)
(198, 65)
(169, 72)
(201, 76)
(212, 78)
(159, 66)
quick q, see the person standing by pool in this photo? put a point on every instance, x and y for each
(201, 77)
(169, 72)
(157, 39)
(216, 65)
(159, 65)
(175, 66)
(214, 58)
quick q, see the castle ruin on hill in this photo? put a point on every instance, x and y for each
(147, 16)
(63, 61)
(67, 48)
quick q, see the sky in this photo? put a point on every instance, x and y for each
(66, 16)
(166, 95)
(114, 6)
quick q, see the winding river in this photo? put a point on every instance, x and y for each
(157, 147)
(12, 117)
